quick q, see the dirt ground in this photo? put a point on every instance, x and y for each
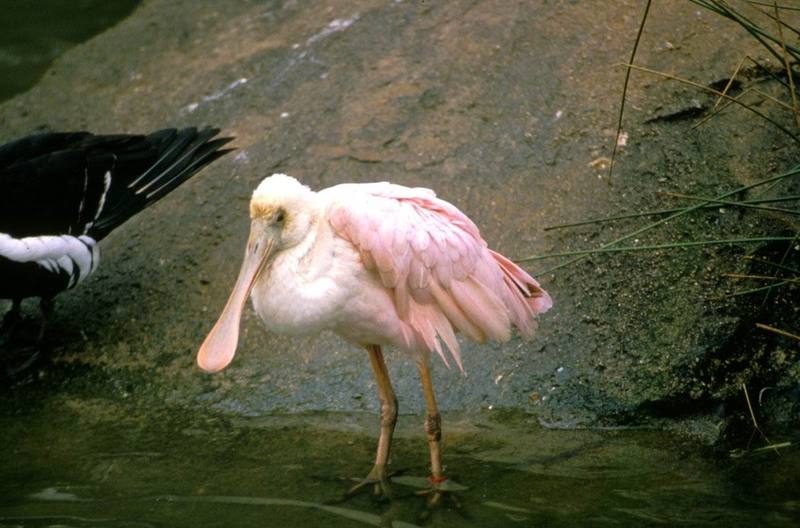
(507, 110)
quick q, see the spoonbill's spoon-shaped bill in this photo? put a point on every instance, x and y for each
(219, 347)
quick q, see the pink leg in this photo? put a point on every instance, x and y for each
(433, 429)
(379, 475)
(433, 422)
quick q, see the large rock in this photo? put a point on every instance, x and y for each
(505, 109)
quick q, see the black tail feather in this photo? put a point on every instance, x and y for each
(198, 163)
(179, 155)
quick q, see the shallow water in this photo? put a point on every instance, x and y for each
(93, 462)
(33, 34)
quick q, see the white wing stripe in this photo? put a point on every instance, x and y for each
(102, 203)
(83, 198)
(53, 251)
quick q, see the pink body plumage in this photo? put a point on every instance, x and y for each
(437, 268)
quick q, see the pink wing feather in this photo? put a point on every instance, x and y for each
(443, 275)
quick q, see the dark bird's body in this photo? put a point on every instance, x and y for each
(61, 193)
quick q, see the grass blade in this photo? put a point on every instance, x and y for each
(756, 277)
(765, 181)
(657, 212)
(749, 292)
(787, 65)
(773, 264)
(768, 4)
(736, 204)
(625, 91)
(777, 331)
(654, 247)
(720, 94)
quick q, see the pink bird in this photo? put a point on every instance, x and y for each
(380, 265)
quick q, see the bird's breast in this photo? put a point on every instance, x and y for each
(302, 294)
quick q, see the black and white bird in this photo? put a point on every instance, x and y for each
(61, 193)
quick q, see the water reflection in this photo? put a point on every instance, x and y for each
(96, 463)
(33, 34)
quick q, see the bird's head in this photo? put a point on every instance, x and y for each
(281, 211)
(281, 216)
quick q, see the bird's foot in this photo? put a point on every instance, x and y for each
(440, 496)
(378, 478)
(439, 489)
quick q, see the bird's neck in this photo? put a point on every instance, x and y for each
(311, 257)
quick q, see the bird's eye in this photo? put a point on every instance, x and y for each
(280, 216)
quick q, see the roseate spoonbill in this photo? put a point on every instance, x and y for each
(60, 193)
(380, 265)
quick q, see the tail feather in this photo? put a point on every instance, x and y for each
(179, 154)
(527, 297)
(207, 154)
(526, 284)
(171, 185)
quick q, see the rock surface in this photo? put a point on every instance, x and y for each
(507, 110)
